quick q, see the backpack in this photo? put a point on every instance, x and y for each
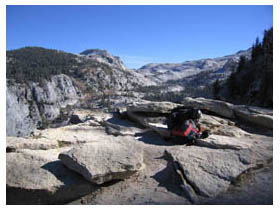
(179, 115)
(188, 130)
(186, 133)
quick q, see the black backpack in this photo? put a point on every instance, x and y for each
(179, 115)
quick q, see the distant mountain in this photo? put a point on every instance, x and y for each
(96, 68)
(189, 70)
(42, 82)
(103, 56)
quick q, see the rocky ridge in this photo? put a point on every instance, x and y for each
(104, 57)
(125, 78)
(191, 72)
(91, 77)
(94, 75)
(136, 165)
(30, 106)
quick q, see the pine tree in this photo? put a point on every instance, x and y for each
(216, 88)
(253, 81)
(242, 63)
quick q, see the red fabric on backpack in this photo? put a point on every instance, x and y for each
(185, 133)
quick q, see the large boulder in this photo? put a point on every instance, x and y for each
(211, 171)
(104, 161)
(255, 115)
(258, 116)
(38, 177)
(219, 107)
(151, 115)
(220, 126)
(152, 107)
(155, 119)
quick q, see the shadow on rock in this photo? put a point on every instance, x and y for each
(61, 172)
(256, 129)
(150, 137)
(121, 122)
(169, 179)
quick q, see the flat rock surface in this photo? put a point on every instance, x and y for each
(224, 142)
(35, 175)
(104, 161)
(38, 177)
(210, 171)
(38, 143)
(255, 188)
(74, 134)
(155, 184)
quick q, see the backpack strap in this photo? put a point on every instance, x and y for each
(185, 132)
(188, 130)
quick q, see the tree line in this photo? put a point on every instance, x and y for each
(36, 64)
(252, 81)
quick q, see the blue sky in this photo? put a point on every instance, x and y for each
(139, 34)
